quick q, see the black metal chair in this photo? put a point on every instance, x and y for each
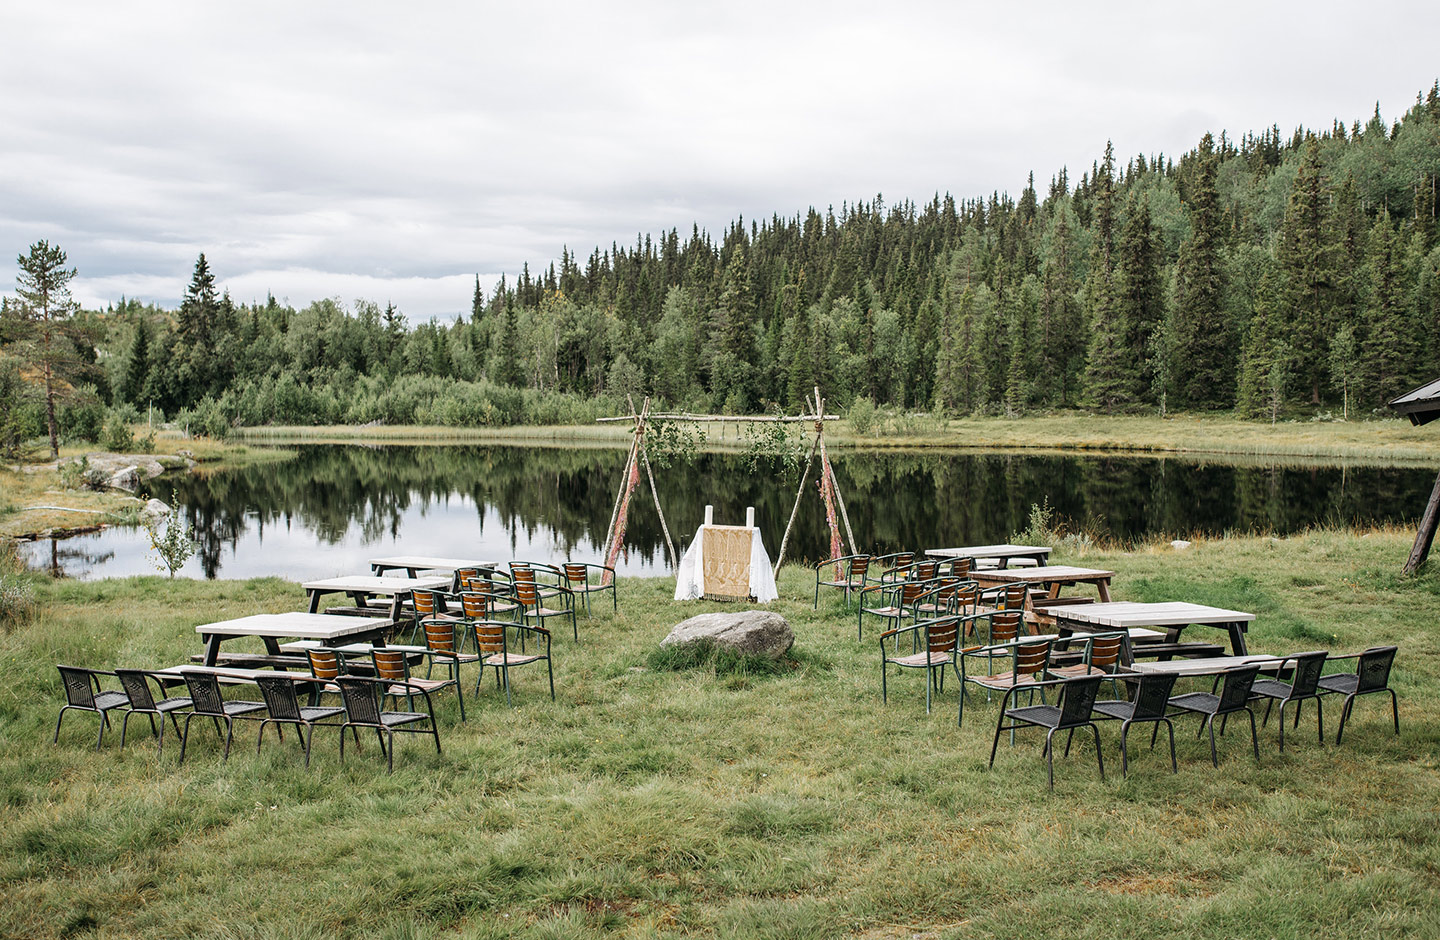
(1371, 675)
(136, 683)
(849, 575)
(1147, 704)
(361, 695)
(939, 644)
(83, 693)
(1304, 684)
(207, 702)
(1234, 697)
(1077, 701)
(283, 704)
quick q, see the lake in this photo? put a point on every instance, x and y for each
(333, 507)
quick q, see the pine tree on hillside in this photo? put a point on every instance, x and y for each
(1392, 346)
(1306, 258)
(1203, 374)
(1140, 294)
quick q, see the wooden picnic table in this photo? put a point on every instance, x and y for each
(363, 587)
(1208, 666)
(1174, 616)
(1053, 576)
(412, 565)
(271, 628)
(1000, 554)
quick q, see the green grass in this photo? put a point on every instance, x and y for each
(672, 796)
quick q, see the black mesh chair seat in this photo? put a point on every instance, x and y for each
(1077, 701)
(392, 719)
(83, 693)
(1371, 676)
(1233, 698)
(137, 686)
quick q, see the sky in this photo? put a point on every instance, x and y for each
(393, 152)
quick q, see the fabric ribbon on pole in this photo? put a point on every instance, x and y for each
(613, 551)
(827, 492)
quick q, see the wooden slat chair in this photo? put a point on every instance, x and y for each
(443, 642)
(939, 641)
(945, 597)
(1100, 657)
(577, 579)
(393, 665)
(136, 683)
(1028, 658)
(890, 602)
(487, 605)
(432, 605)
(463, 575)
(364, 709)
(1013, 596)
(492, 642)
(1074, 710)
(532, 605)
(1371, 675)
(961, 568)
(849, 575)
(327, 666)
(924, 570)
(207, 701)
(283, 706)
(881, 565)
(548, 579)
(83, 693)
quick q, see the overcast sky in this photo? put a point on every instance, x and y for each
(394, 151)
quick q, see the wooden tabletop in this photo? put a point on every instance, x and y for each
(427, 563)
(297, 624)
(990, 551)
(1043, 573)
(1207, 666)
(374, 584)
(1128, 614)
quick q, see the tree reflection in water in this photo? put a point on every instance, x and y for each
(562, 498)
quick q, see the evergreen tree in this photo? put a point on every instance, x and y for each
(1391, 346)
(1203, 376)
(43, 285)
(1140, 296)
(1305, 256)
(138, 364)
(1110, 371)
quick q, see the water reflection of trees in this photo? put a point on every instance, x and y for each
(896, 500)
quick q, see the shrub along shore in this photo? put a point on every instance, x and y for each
(654, 802)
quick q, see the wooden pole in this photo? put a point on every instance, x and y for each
(1426, 536)
(625, 476)
(804, 475)
(669, 542)
(826, 468)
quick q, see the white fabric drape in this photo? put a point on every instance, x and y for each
(690, 583)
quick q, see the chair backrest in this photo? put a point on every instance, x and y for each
(924, 570)
(1308, 667)
(899, 559)
(1004, 626)
(911, 592)
(1236, 690)
(526, 592)
(425, 603)
(465, 574)
(942, 634)
(1373, 670)
(967, 596)
(961, 567)
(205, 697)
(859, 567)
(324, 663)
(280, 698)
(1105, 650)
(577, 573)
(390, 665)
(361, 699)
(440, 636)
(1012, 596)
(1152, 695)
(1078, 700)
(79, 686)
(489, 637)
(137, 688)
(1032, 658)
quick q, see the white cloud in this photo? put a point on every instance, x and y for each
(396, 150)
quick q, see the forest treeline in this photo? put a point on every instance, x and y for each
(1267, 274)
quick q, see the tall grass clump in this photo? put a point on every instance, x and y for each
(708, 656)
(17, 596)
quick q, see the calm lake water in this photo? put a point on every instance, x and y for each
(334, 507)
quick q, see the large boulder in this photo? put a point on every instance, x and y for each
(752, 632)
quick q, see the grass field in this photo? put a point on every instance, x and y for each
(647, 802)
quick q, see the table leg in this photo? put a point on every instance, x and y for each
(212, 648)
(1237, 639)
(314, 601)
(1104, 587)
(272, 647)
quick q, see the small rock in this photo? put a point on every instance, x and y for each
(155, 510)
(1179, 545)
(752, 632)
(126, 478)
